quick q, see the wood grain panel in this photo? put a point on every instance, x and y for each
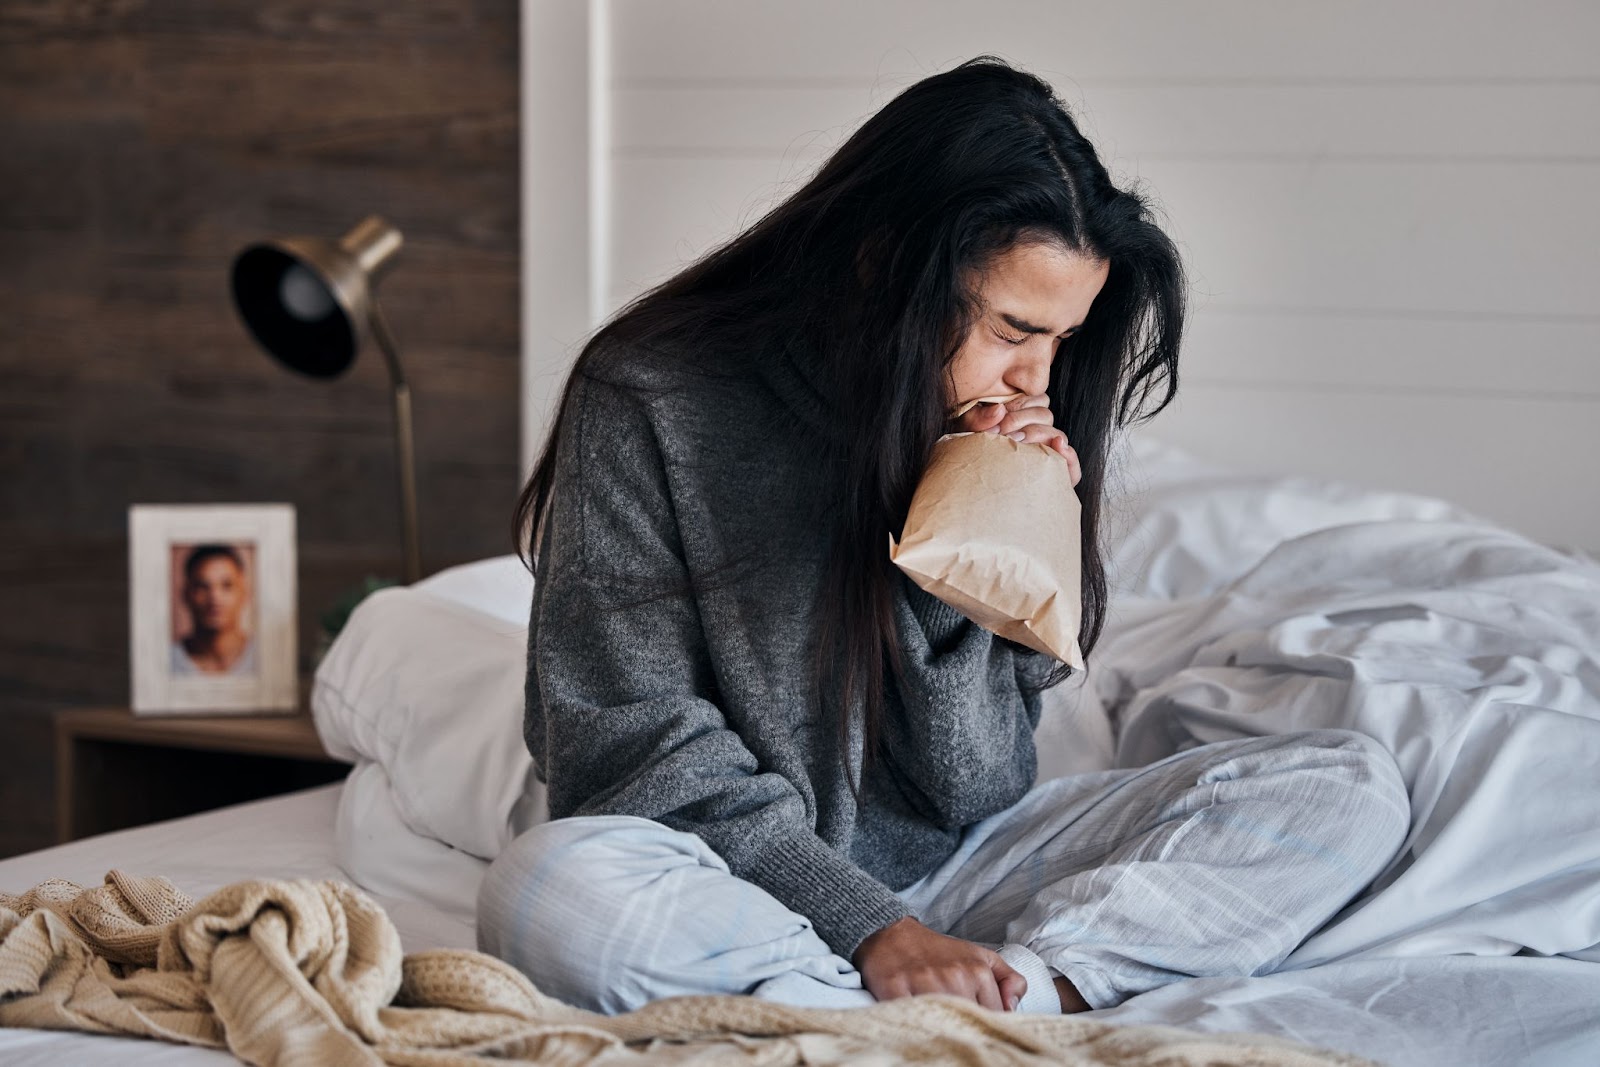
(146, 144)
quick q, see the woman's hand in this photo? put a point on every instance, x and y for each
(1027, 418)
(905, 958)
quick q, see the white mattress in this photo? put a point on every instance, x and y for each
(286, 837)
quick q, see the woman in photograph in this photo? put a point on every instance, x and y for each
(216, 593)
(778, 767)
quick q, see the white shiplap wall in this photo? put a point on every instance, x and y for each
(1389, 210)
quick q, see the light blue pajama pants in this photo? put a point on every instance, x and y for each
(1215, 861)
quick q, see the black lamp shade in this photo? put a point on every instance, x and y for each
(294, 311)
(308, 300)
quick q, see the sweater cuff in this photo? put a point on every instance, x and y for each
(844, 903)
(939, 621)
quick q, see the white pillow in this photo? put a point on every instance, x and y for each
(431, 688)
(499, 586)
(379, 849)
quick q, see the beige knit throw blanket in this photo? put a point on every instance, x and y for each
(307, 973)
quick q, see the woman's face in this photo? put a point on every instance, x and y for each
(1031, 297)
(216, 595)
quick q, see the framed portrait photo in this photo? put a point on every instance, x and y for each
(212, 608)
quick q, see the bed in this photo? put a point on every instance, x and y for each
(1242, 605)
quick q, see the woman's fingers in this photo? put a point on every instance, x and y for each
(1022, 417)
(893, 989)
(974, 981)
(1028, 419)
(985, 418)
(1036, 400)
(1040, 435)
(989, 992)
(906, 958)
(1056, 440)
(1008, 981)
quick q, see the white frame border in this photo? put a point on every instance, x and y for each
(151, 530)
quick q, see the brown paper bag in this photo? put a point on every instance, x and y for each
(993, 531)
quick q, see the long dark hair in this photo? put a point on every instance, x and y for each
(872, 263)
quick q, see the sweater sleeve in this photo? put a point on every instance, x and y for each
(964, 731)
(941, 624)
(622, 714)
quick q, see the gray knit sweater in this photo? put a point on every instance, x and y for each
(670, 643)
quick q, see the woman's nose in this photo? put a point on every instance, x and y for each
(1031, 376)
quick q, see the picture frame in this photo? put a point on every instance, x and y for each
(212, 609)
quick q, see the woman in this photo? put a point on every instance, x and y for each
(775, 765)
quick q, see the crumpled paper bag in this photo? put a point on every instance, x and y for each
(994, 531)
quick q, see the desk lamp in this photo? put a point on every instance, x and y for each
(310, 303)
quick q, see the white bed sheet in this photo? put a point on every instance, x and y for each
(1452, 1010)
(1442, 1011)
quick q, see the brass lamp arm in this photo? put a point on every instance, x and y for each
(405, 452)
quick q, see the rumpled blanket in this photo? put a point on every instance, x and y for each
(311, 972)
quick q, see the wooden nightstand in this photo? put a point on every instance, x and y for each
(115, 769)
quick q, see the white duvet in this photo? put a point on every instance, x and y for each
(1472, 653)
(1242, 605)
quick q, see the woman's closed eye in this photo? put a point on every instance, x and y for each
(1008, 340)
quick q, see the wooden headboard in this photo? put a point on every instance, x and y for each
(1391, 229)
